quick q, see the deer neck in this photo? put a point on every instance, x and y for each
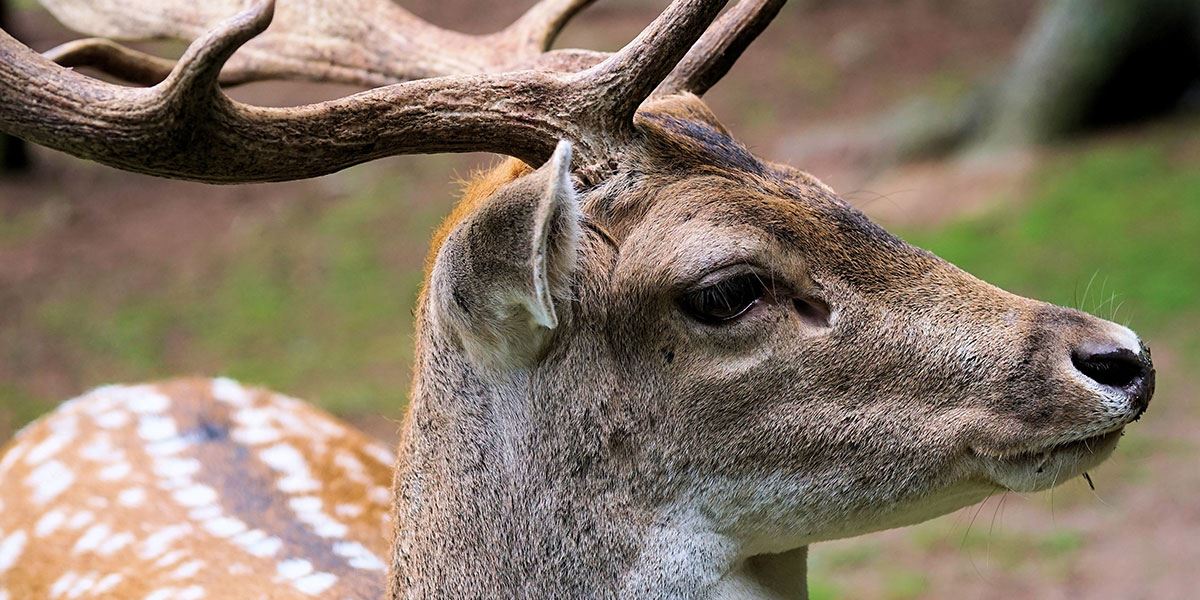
(504, 490)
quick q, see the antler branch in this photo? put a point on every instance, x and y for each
(185, 127)
(711, 58)
(624, 80)
(359, 42)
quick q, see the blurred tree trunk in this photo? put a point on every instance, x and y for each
(14, 155)
(1086, 64)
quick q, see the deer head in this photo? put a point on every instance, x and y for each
(650, 363)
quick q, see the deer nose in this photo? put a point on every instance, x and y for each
(1118, 367)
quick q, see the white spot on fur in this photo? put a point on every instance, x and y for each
(330, 429)
(144, 400)
(205, 513)
(81, 586)
(256, 542)
(154, 428)
(253, 417)
(196, 495)
(62, 584)
(49, 480)
(107, 583)
(193, 592)
(51, 446)
(11, 548)
(230, 392)
(80, 520)
(355, 470)
(113, 419)
(91, 538)
(158, 542)
(305, 504)
(166, 447)
(11, 457)
(380, 495)
(224, 526)
(132, 497)
(316, 583)
(294, 568)
(49, 523)
(358, 556)
(102, 450)
(285, 459)
(170, 558)
(308, 510)
(301, 574)
(171, 468)
(115, 543)
(187, 570)
(265, 547)
(381, 454)
(115, 472)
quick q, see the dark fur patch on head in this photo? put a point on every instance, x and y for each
(696, 142)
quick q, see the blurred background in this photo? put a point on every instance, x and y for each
(1051, 147)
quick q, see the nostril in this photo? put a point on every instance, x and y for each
(1117, 368)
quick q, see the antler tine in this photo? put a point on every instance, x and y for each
(113, 59)
(195, 75)
(624, 80)
(362, 42)
(537, 29)
(711, 58)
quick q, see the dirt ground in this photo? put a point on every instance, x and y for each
(802, 94)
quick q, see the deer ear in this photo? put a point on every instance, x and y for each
(502, 278)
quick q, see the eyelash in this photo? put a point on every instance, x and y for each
(730, 298)
(725, 300)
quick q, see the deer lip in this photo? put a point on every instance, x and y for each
(1042, 454)
(1088, 445)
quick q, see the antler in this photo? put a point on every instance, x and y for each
(710, 59)
(362, 42)
(185, 127)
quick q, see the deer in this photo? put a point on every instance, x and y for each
(648, 363)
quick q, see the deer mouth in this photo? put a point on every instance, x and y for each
(1088, 446)
(1044, 467)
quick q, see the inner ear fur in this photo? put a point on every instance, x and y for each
(501, 281)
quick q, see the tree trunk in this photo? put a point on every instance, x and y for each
(1091, 63)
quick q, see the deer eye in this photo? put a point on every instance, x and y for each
(724, 300)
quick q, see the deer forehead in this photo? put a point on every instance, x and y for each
(699, 224)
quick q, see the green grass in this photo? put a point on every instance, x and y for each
(320, 312)
(820, 588)
(904, 585)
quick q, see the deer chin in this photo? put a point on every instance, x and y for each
(1044, 467)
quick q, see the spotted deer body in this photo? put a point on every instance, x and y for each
(193, 489)
(649, 364)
